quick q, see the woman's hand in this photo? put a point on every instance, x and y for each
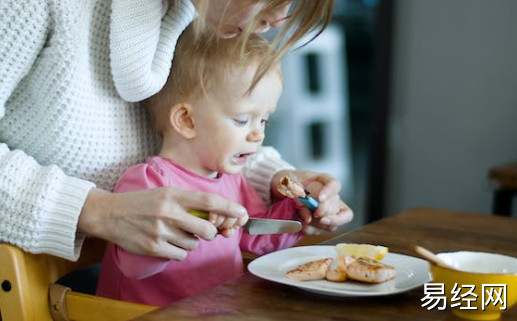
(332, 211)
(155, 221)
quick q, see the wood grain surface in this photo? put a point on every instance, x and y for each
(251, 298)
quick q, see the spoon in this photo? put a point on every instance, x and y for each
(431, 257)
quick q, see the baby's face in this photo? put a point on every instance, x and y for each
(230, 124)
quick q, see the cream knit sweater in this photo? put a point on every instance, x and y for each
(70, 72)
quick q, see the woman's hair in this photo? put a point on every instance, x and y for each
(198, 67)
(305, 16)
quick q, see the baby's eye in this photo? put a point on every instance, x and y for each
(265, 121)
(241, 120)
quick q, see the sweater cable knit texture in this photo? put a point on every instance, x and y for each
(69, 74)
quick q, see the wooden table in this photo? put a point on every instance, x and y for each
(251, 298)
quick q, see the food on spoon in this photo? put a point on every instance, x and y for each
(314, 270)
(290, 189)
(369, 270)
(377, 252)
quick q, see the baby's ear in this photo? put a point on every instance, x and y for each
(180, 119)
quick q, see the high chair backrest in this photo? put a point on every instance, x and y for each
(26, 279)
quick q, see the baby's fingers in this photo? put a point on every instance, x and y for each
(229, 222)
(329, 207)
(216, 219)
(305, 214)
(227, 232)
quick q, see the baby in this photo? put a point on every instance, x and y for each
(211, 115)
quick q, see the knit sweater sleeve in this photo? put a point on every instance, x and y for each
(39, 206)
(259, 171)
(141, 64)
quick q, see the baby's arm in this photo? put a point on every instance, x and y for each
(286, 209)
(136, 266)
(331, 211)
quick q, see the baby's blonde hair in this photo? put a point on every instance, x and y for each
(200, 65)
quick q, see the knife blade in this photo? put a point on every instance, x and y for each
(256, 226)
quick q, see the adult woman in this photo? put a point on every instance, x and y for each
(69, 74)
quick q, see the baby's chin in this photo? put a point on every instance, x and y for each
(233, 170)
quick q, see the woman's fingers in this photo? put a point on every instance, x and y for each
(180, 218)
(222, 212)
(155, 221)
(212, 203)
(176, 244)
(178, 237)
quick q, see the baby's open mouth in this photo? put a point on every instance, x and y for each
(240, 158)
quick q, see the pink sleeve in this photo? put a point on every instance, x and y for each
(132, 265)
(285, 209)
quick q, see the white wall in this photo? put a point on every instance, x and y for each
(454, 107)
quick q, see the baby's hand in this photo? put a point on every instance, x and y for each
(331, 212)
(226, 225)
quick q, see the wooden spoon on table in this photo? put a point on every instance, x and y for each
(431, 257)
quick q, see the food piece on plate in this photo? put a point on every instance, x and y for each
(314, 270)
(369, 270)
(361, 250)
(343, 261)
(290, 189)
(335, 275)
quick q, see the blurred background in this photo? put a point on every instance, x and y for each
(408, 103)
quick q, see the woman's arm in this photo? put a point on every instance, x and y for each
(24, 28)
(141, 65)
(39, 206)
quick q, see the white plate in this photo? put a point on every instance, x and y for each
(411, 272)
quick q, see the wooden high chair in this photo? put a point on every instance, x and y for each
(29, 293)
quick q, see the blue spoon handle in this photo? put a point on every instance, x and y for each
(309, 202)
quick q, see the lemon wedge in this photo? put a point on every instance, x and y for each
(377, 252)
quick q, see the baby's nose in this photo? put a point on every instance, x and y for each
(257, 135)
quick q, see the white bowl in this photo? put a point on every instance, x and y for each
(480, 262)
